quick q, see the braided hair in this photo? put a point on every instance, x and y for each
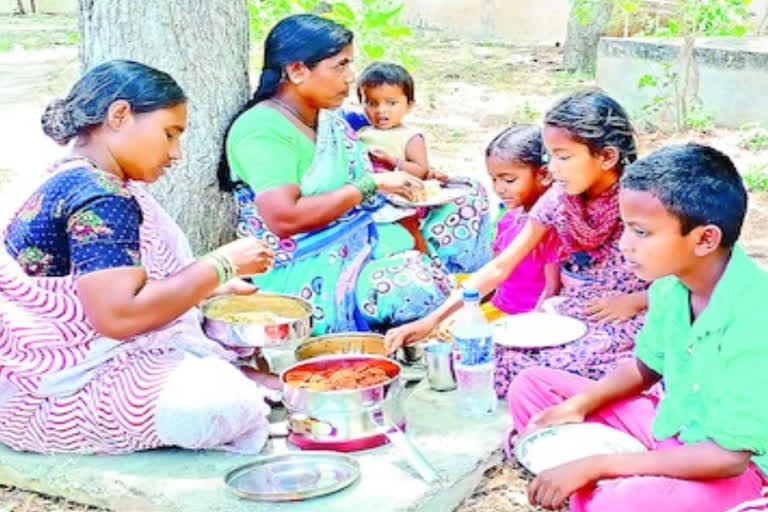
(521, 143)
(596, 120)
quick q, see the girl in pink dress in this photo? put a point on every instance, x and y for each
(514, 160)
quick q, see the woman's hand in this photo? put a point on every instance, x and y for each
(235, 287)
(617, 308)
(551, 488)
(382, 157)
(407, 334)
(569, 411)
(250, 255)
(400, 183)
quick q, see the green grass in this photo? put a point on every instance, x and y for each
(756, 178)
(755, 138)
(37, 31)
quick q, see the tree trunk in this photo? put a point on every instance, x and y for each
(32, 6)
(762, 29)
(203, 44)
(580, 52)
(20, 7)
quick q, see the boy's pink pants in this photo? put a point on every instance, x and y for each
(536, 389)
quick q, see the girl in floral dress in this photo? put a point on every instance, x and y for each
(589, 140)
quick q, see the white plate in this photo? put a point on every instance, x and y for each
(447, 194)
(553, 446)
(536, 330)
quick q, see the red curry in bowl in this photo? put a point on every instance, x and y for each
(341, 374)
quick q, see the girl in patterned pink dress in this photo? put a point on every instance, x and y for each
(101, 349)
(589, 140)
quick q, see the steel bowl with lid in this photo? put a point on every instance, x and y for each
(341, 343)
(257, 320)
(347, 419)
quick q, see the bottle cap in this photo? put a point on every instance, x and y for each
(470, 294)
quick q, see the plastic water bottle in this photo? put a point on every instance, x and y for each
(473, 358)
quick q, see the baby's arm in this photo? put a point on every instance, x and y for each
(416, 162)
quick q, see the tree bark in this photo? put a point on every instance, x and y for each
(32, 6)
(762, 29)
(203, 44)
(580, 51)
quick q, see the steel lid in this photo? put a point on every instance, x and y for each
(293, 476)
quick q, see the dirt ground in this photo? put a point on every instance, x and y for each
(466, 93)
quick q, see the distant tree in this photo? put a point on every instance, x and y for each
(20, 7)
(203, 44)
(587, 21)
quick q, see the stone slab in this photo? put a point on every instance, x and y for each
(175, 480)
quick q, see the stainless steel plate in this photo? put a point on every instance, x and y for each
(447, 194)
(293, 476)
(552, 446)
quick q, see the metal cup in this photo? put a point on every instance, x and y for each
(412, 354)
(440, 366)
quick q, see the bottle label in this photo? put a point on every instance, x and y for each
(473, 351)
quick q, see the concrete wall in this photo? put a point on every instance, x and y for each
(732, 74)
(43, 6)
(516, 21)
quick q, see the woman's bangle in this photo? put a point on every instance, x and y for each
(366, 185)
(225, 268)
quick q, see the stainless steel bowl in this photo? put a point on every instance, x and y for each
(345, 415)
(341, 343)
(295, 327)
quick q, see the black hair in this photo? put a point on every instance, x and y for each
(596, 120)
(302, 38)
(697, 184)
(520, 143)
(380, 73)
(145, 88)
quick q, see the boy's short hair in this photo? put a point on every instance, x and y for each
(697, 184)
(379, 73)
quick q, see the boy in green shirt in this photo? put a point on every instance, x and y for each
(705, 335)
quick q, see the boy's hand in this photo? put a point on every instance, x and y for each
(384, 158)
(551, 488)
(569, 411)
(615, 309)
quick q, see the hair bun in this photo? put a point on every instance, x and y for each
(57, 122)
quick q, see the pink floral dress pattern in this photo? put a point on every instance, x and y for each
(586, 274)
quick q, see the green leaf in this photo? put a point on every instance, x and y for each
(379, 18)
(398, 32)
(373, 51)
(647, 81)
(342, 12)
